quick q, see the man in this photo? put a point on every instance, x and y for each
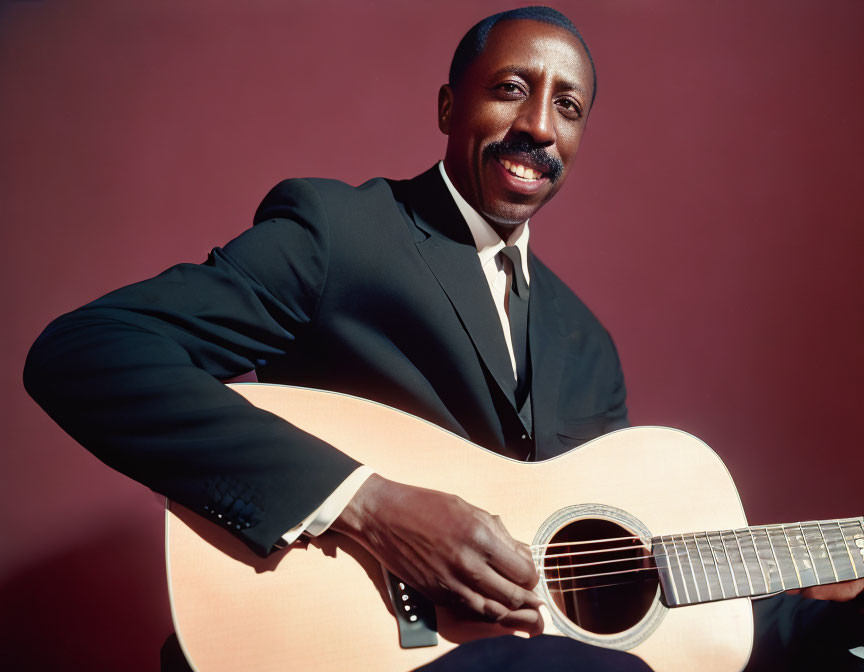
(410, 293)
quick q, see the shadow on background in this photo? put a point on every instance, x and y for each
(100, 605)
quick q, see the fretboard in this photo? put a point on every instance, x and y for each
(705, 566)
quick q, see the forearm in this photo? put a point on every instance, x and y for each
(136, 401)
(134, 377)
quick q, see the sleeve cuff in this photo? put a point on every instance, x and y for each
(321, 518)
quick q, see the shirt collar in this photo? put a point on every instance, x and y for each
(488, 242)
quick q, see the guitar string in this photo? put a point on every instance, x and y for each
(553, 589)
(638, 538)
(544, 568)
(599, 562)
(547, 568)
(596, 550)
(730, 560)
(589, 541)
(599, 550)
(576, 577)
(594, 576)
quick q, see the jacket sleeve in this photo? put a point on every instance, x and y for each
(134, 376)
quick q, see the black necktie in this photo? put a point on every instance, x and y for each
(518, 312)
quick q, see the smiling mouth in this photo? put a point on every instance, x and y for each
(521, 171)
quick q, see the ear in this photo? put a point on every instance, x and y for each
(445, 108)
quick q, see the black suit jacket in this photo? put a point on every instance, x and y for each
(375, 291)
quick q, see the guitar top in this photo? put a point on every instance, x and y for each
(625, 530)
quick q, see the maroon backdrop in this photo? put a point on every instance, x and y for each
(713, 223)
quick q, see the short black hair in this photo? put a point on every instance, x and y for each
(474, 41)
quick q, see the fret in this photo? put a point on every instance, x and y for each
(839, 550)
(783, 553)
(716, 565)
(665, 570)
(677, 571)
(853, 534)
(755, 571)
(828, 550)
(744, 562)
(736, 562)
(795, 565)
(762, 570)
(724, 567)
(703, 589)
(767, 559)
(818, 547)
(706, 560)
(801, 556)
(689, 576)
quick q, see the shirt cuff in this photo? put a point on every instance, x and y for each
(322, 518)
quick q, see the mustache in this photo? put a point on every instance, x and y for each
(531, 152)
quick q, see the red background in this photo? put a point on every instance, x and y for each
(713, 222)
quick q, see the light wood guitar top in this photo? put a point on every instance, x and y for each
(326, 605)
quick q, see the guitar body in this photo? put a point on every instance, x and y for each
(325, 605)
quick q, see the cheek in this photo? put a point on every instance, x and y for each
(492, 124)
(569, 144)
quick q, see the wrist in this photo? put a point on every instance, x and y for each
(352, 520)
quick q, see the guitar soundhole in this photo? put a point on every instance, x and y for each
(600, 575)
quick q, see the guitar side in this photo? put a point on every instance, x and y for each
(325, 604)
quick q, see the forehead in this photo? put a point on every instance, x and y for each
(535, 46)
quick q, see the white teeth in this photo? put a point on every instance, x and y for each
(521, 171)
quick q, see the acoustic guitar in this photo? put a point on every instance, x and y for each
(639, 538)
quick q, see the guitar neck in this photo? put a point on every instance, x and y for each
(706, 566)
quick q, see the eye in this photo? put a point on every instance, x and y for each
(569, 107)
(509, 90)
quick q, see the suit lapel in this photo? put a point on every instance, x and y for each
(445, 243)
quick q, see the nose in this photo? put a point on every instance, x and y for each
(536, 121)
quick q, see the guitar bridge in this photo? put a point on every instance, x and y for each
(415, 614)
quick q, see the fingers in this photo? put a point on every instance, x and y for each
(524, 620)
(838, 592)
(512, 559)
(498, 600)
(494, 586)
(499, 568)
(498, 573)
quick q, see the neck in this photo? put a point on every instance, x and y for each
(706, 566)
(505, 231)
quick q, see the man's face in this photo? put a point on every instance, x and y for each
(520, 108)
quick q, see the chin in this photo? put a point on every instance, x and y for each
(509, 215)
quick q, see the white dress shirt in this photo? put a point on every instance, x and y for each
(498, 275)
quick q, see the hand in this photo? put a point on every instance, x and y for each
(838, 592)
(450, 551)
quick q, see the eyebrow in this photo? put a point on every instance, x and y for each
(526, 73)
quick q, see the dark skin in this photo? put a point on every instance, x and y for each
(532, 82)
